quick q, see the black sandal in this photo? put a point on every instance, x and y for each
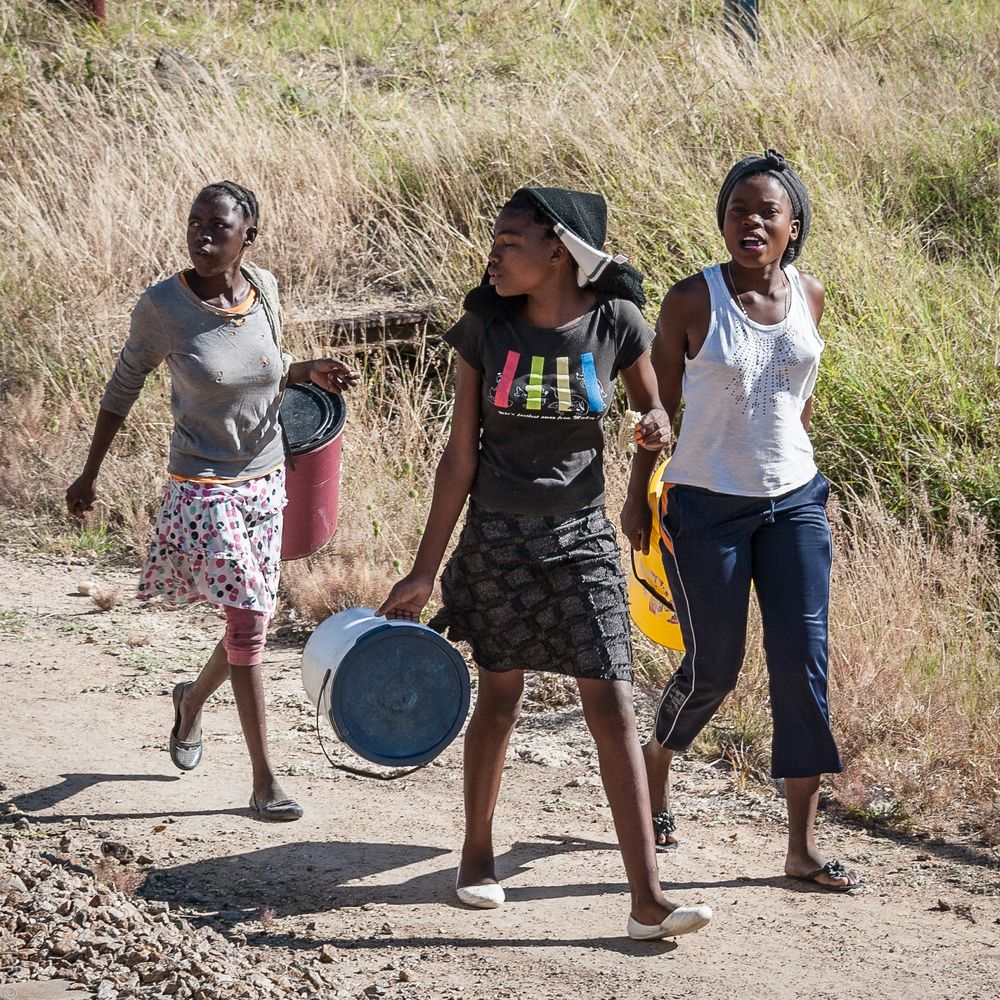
(664, 825)
(832, 869)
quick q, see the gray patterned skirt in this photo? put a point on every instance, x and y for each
(539, 592)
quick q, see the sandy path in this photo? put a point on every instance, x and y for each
(370, 868)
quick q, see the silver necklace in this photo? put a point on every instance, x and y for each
(736, 294)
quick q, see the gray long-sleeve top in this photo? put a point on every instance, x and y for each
(225, 372)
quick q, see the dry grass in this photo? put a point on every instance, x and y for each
(381, 140)
(915, 658)
(915, 685)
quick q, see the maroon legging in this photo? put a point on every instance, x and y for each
(246, 633)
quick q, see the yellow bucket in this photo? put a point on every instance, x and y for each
(649, 600)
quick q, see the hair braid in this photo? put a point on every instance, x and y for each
(246, 200)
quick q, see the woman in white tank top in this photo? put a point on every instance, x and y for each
(744, 502)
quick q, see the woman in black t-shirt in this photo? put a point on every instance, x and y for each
(535, 581)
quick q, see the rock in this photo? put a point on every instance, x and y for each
(12, 883)
(55, 923)
(86, 588)
(943, 905)
(133, 959)
(543, 756)
(157, 974)
(584, 781)
(118, 851)
(64, 945)
(21, 823)
(176, 70)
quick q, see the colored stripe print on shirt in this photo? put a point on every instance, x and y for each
(549, 388)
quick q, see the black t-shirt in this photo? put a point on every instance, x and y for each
(545, 393)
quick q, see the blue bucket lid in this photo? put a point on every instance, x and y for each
(400, 695)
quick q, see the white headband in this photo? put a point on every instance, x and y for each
(590, 261)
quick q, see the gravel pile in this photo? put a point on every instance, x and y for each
(59, 921)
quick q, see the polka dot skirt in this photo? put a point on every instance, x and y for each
(219, 543)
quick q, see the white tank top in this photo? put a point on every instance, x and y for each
(741, 432)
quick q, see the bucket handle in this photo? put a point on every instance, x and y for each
(359, 771)
(648, 587)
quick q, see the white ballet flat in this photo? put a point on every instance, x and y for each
(483, 897)
(683, 920)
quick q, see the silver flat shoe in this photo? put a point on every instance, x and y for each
(185, 755)
(281, 810)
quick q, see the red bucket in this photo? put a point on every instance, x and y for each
(314, 423)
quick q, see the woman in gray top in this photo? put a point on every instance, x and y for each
(217, 326)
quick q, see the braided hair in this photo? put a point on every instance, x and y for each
(523, 202)
(245, 199)
(774, 165)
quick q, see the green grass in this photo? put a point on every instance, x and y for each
(97, 541)
(13, 622)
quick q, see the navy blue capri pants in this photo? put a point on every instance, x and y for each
(714, 545)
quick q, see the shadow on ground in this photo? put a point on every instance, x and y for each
(73, 784)
(316, 877)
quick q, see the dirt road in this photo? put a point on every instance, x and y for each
(369, 870)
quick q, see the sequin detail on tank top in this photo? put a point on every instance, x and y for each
(763, 366)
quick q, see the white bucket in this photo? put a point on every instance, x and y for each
(395, 692)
